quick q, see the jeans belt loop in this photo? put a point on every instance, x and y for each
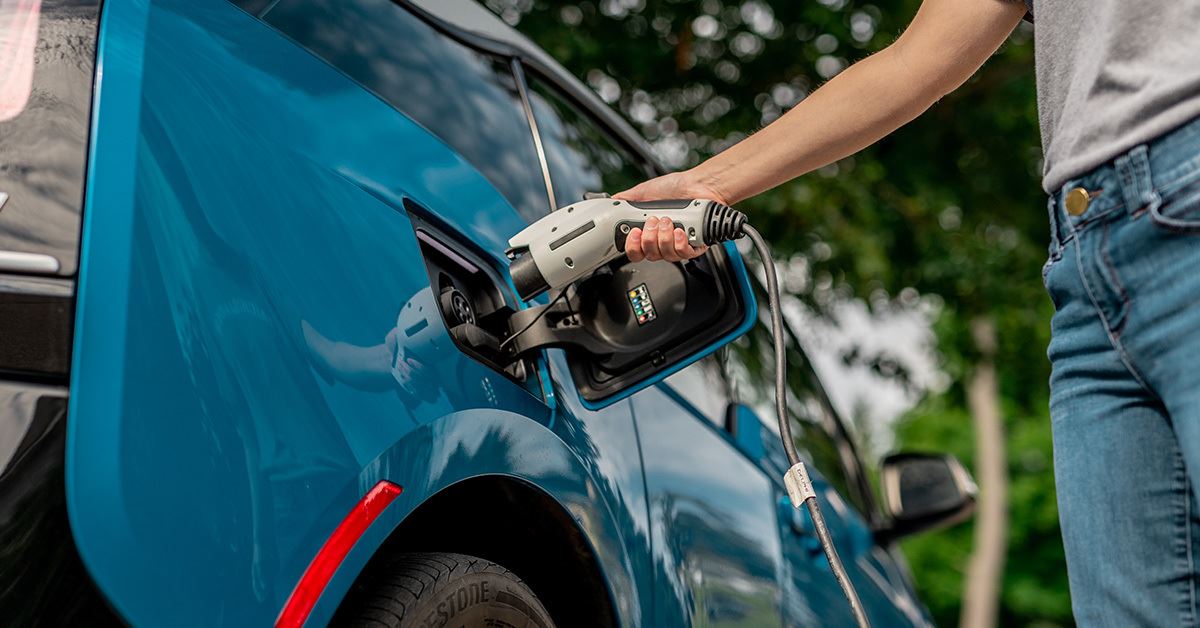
(1137, 186)
(1056, 233)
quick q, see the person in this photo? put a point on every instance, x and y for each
(1118, 87)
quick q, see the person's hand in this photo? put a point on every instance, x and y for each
(658, 240)
(405, 369)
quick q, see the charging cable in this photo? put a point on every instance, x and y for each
(799, 486)
(527, 327)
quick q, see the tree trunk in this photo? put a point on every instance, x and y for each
(981, 596)
(684, 57)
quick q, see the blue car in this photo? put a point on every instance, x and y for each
(255, 355)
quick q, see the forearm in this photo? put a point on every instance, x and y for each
(867, 101)
(864, 103)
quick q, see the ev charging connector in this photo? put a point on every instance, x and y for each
(572, 242)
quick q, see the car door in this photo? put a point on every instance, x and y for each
(715, 551)
(718, 557)
(809, 592)
(256, 257)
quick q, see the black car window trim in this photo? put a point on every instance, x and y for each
(534, 68)
(486, 45)
(625, 137)
(576, 92)
(523, 89)
(645, 160)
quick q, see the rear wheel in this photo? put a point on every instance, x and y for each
(430, 590)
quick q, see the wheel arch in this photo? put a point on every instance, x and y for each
(514, 523)
(466, 467)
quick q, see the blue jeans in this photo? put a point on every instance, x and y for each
(1124, 276)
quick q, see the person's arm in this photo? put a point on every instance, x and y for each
(944, 45)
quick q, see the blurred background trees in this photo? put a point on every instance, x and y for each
(944, 220)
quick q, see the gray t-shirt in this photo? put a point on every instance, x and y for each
(1111, 74)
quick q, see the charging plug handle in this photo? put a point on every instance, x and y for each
(568, 244)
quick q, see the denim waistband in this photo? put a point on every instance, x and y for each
(1127, 184)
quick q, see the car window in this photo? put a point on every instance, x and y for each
(47, 61)
(749, 367)
(581, 155)
(467, 98)
(703, 385)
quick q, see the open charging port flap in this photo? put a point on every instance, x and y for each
(628, 325)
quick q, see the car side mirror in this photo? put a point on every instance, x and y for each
(924, 491)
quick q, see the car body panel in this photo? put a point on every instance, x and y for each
(717, 552)
(561, 462)
(218, 243)
(245, 238)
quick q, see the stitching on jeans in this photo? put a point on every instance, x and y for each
(1181, 480)
(1116, 342)
(1091, 219)
(1191, 563)
(1123, 313)
(1179, 518)
(1181, 180)
(1184, 225)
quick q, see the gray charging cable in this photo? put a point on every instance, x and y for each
(799, 486)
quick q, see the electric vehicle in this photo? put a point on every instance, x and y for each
(247, 252)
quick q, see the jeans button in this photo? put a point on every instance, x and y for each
(1077, 201)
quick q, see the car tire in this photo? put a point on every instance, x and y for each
(430, 590)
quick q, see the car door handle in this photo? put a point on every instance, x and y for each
(800, 523)
(797, 518)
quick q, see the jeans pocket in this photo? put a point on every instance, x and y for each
(1177, 209)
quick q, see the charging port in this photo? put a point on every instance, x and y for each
(473, 305)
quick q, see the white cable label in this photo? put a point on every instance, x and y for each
(799, 487)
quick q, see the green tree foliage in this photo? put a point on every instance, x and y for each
(949, 206)
(1035, 588)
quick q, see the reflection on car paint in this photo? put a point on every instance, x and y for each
(244, 234)
(256, 350)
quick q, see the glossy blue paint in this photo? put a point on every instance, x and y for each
(599, 492)
(245, 216)
(246, 259)
(717, 552)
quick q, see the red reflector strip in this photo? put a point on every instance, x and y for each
(325, 563)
